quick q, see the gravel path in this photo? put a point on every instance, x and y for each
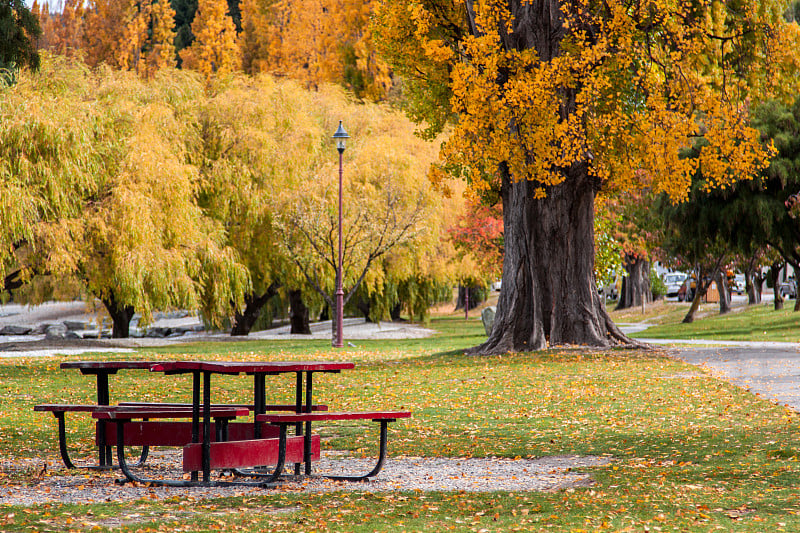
(56, 484)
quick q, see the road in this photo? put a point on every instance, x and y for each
(770, 369)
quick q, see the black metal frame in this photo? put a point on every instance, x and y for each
(105, 459)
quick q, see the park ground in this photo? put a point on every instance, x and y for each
(684, 449)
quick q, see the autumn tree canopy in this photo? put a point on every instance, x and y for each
(96, 186)
(315, 41)
(553, 101)
(215, 50)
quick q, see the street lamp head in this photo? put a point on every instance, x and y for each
(340, 137)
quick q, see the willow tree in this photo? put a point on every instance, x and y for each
(387, 202)
(134, 35)
(556, 100)
(97, 164)
(258, 137)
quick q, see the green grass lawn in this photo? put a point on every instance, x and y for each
(690, 452)
(753, 323)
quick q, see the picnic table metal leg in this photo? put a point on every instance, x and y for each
(64, 451)
(62, 440)
(267, 482)
(206, 426)
(381, 458)
(195, 413)
(103, 398)
(298, 400)
(307, 440)
(259, 401)
(276, 473)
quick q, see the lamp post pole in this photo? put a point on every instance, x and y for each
(341, 137)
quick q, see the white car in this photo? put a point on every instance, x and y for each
(673, 281)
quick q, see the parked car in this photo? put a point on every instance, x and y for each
(673, 282)
(738, 285)
(788, 288)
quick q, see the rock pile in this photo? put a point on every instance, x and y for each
(173, 324)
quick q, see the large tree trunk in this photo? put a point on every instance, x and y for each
(636, 283)
(365, 306)
(549, 296)
(298, 313)
(243, 320)
(121, 316)
(13, 281)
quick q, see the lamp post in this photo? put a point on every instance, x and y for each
(340, 137)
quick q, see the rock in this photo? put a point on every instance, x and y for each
(15, 330)
(72, 335)
(55, 331)
(158, 332)
(487, 317)
(40, 329)
(75, 325)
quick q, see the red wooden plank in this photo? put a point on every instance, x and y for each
(109, 365)
(267, 367)
(268, 407)
(248, 453)
(128, 412)
(177, 433)
(66, 407)
(321, 416)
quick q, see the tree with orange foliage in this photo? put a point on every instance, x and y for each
(62, 29)
(315, 41)
(132, 35)
(479, 232)
(558, 100)
(215, 50)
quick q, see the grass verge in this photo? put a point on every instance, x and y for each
(691, 453)
(753, 323)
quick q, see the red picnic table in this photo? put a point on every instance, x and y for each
(223, 444)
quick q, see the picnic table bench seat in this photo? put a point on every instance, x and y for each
(144, 434)
(283, 420)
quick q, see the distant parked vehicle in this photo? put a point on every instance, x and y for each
(739, 284)
(788, 289)
(673, 282)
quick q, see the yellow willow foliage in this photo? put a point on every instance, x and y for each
(625, 89)
(258, 137)
(215, 51)
(315, 41)
(132, 35)
(117, 198)
(50, 156)
(389, 205)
